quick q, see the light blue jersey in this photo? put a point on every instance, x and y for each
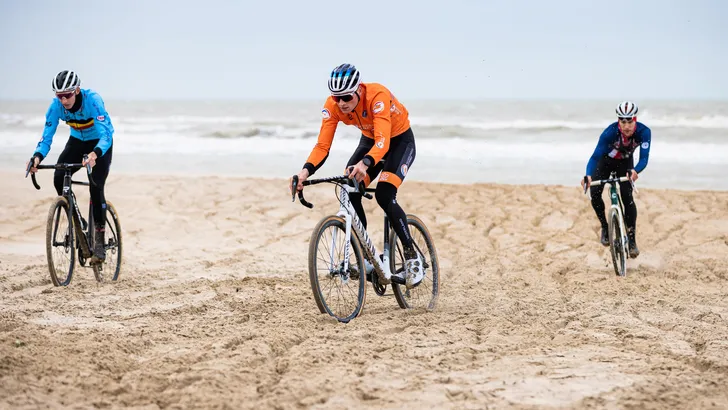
(90, 122)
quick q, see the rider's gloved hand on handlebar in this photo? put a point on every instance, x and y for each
(302, 176)
(358, 172)
(36, 162)
(633, 175)
(584, 185)
(90, 159)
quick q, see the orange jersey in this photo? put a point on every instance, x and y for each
(379, 115)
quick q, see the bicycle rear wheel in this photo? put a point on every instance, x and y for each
(111, 268)
(617, 244)
(425, 294)
(339, 292)
(60, 248)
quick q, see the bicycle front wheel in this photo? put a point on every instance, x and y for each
(60, 242)
(338, 291)
(617, 244)
(111, 268)
(425, 294)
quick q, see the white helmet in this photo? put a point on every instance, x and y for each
(627, 109)
(344, 80)
(65, 81)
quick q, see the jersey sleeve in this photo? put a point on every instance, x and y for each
(51, 125)
(644, 150)
(329, 122)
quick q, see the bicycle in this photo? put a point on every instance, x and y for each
(381, 269)
(618, 240)
(63, 239)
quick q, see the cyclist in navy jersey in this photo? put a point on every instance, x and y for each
(614, 153)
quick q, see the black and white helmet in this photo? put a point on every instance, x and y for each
(627, 109)
(344, 80)
(65, 81)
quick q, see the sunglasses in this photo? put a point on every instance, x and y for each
(65, 95)
(626, 120)
(344, 98)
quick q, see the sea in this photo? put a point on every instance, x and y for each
(460, 142)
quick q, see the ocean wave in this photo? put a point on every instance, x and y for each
(232, 127)
(705, 122)
(456, 149)
(493, 125)
(183, 119)
(425, 128)
(266, 143)
(275, 132)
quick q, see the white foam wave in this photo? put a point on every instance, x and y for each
(432, 126)
(453, 149)
(705, 122)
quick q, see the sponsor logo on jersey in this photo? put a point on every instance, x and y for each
(378, 107)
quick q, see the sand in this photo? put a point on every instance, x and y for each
(213, 308)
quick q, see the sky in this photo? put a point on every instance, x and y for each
(455, 49)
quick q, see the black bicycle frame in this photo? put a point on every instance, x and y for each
(80, 224)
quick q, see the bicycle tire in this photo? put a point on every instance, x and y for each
(616, 244)
(324, 303)
(425, 294)
(60, 207)
(113, 244)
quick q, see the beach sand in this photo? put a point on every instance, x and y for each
(213, 308)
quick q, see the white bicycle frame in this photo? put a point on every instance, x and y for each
(346, 211)
(618, 209)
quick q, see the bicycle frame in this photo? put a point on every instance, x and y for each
(615, 195)
(347, 211)
(80, 225)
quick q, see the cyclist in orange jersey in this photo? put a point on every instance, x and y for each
(387, 145)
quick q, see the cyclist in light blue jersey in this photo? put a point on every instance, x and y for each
(91, 133)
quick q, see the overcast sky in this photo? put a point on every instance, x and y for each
(455, 49)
